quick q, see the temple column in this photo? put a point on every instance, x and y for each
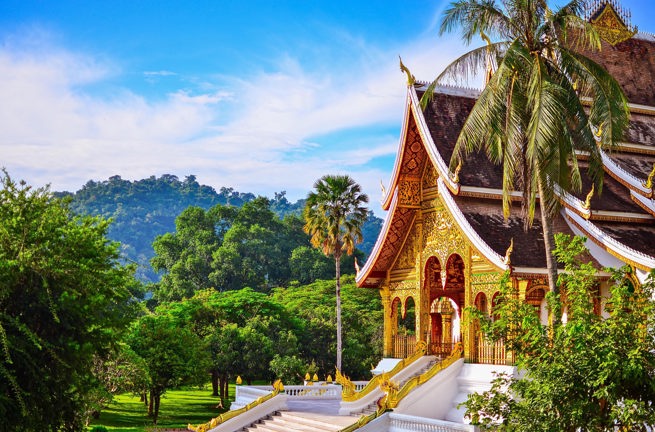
(467, 328)
(446, 323)
(389, 317)
(422, 303)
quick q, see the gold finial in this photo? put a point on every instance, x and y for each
(410, 78)
(329, 378)
(384, 190)
(507, 260)
(457, 170)
(356, 266)
(307, 377)
(587, 203)
(239, 380)
(649, 180)
(315, 377)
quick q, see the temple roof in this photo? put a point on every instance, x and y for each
(620, 222)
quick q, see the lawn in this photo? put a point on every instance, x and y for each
(178, 408)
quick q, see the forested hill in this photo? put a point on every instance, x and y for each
(143, 209)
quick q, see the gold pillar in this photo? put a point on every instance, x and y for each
(446, 310)
(523, 288)
(387, 346)
(422, 303)
(467, 329)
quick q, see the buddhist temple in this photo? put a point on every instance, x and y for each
(445, 245)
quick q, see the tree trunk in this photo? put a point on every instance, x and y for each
(157, 400)
(337, 263)
(223, 386)
(549, 245)
(144, 397)
(214, 382)
(150, 405)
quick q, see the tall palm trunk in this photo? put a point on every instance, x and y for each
(337, 264)
(549, 245)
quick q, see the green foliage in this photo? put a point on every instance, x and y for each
(144, 209)
(63, 301)
(174, 355)
(314, 306)
(228, 248)
(290, 369)
(590, 374)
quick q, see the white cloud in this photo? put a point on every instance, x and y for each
(261, 133)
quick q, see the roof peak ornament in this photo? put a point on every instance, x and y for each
(410, 78)
(508, 253)
(611, 20)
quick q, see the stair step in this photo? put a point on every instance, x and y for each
(310, 422)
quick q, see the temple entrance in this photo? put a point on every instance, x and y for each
(445, 292)
(445, 326)
(403, 319)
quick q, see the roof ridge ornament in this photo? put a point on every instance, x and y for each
(649, 181)
(587, 202)
(410, 78)
(611, 21)
(508, 253)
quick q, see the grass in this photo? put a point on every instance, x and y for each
(178, 408)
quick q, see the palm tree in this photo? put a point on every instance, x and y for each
(544, 103)
(334, 214)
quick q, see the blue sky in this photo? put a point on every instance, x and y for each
(261, 96)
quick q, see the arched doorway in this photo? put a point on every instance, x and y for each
(403, 332)
(445, 326)
(448, 284)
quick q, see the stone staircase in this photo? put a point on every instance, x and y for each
(473, 378)
(373, 406)
(295, 421)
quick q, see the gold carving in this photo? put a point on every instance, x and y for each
(430, 176)
(610, 26)
(409, 192)
(441, 236)
(407, 258)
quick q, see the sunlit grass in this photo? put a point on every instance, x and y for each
(178, 408)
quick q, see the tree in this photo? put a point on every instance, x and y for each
(362, 328)
(530, 117)
(64, 300)
(591, 374)
(334, 214)
(173, 354)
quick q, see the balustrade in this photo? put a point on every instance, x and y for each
(404, 346)
(490, 352)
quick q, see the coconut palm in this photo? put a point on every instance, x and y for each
(544, 105)
(334, 214)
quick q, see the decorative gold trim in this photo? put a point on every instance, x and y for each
(231, 414)
(348, 393)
